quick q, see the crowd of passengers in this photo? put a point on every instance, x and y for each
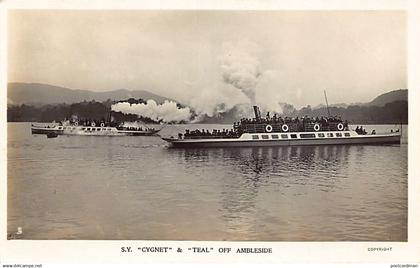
(135, 128)
(301, 123)
(304, 119)
(87, 122)
(100, 123)
(216, 133)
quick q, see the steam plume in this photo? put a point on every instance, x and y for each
(242, 82)
(216, 99)
(166, 112)
(241, 69)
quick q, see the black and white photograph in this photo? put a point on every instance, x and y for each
(207, 125)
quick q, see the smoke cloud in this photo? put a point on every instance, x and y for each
(241, 83)
(167, 112)
(234, 86)
(216, 99)
(241, 68)
(269, 95)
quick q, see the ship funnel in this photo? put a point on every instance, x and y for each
(257, 113)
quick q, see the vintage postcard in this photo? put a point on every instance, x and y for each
(219, 133)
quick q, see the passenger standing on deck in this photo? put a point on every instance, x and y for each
(346, 125)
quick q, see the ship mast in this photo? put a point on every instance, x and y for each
(326, 100)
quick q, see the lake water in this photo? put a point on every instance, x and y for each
(82, 187)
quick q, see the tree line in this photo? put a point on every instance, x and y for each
(391, 113)
(83, 110)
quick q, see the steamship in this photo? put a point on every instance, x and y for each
(277, 131)
(91, 129)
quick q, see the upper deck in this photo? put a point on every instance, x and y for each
(276, 123)
(270, 124)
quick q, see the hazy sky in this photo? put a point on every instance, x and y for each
(355, 55)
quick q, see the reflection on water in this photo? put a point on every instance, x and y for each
(138, 188)
(305, 177)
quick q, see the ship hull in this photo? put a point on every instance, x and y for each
(86, 131)
(361, 139)
(46, 131)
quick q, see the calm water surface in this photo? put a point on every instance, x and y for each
(138, 188)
